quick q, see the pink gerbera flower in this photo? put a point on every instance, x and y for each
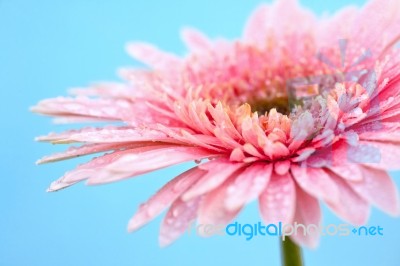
(299, 110)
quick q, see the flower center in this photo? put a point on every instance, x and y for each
(281, 104)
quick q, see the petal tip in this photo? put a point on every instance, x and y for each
(164, 242)
(134, 224)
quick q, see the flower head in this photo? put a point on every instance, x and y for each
(299, 110)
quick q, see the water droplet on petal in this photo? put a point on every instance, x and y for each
(175, 212)
(231, 189)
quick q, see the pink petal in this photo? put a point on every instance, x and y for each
(164, 197)
(105, 90)
(282, 167)
(107, 135)
(257, 21)
(350, 207)
(221, 117)
(93, 167)
(73, 152)
(249, 131)
(348, 171)
(316, 182)
(308, 212)
(278, 200)
(177, 220)
(379, 189)
(301, 130)
(293, 13)
(219, 170)
(340, 23)
(377, 154)
(133, 164)
(237, 155)
(385, 135)
(382, 19)
(212, 208)
(196, 41)
(248, 185)
(252, 150)
(85, 108)
(152, 56)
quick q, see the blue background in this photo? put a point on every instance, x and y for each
(49, 46)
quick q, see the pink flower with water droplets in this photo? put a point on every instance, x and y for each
(299, 110)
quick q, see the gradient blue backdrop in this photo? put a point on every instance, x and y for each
(49, 46)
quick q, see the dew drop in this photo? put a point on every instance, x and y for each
(231, 189)
(175, 212)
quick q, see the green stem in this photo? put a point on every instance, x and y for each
(291, 253)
